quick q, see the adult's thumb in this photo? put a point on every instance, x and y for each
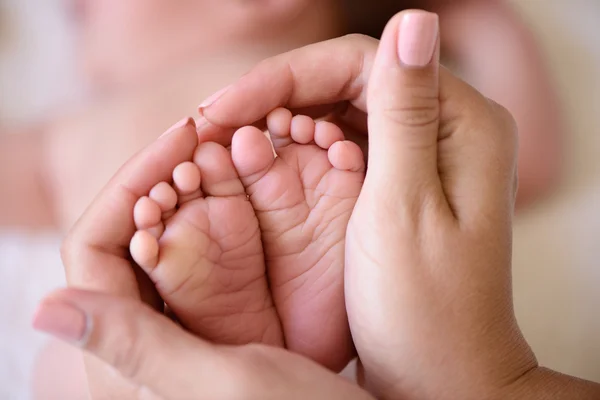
(145, 347)
(163, 361)
(403, 105)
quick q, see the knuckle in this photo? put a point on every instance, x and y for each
(413, 117)
(416, 106)
(506, 117)
(503, 116)
(358, 38)
(505, 125)
(499, 109)
(268, 64)
(499, 128)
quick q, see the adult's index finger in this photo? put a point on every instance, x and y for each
(95, 252)
(324, 73)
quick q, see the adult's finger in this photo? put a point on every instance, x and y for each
(404, 108)
(95, 252)
(320, 74)
(157, 356)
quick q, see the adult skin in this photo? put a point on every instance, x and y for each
(428, 260)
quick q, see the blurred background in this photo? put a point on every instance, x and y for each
(84, 84)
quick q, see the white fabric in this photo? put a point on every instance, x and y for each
(29, 268)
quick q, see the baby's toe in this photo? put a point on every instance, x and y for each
(219, 177)
(302, 129)
(327, 133)
(144, 250)
(278, 125)
(252, 154)
(165, 196)
(346, 156)
(186, 179)
(146, 213)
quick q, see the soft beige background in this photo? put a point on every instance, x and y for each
(557, 244)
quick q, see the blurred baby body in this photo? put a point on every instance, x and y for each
(149, 62)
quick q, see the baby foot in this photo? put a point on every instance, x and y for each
(199, 241)
(303, 199)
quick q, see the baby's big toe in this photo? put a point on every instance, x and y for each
(346, 156)
(252, 154)
(186, 179)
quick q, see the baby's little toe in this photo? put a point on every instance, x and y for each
(144, 250)
(252, 154)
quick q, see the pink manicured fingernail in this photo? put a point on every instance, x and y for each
(62, 320)
(417, 38)
(211, 99)
(184, 122)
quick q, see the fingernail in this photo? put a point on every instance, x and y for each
(211, 99)
(183, 123)
(61, 320)
(417, 38)
(200, 122)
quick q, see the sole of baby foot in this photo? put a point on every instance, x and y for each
(198, 239)
(304, 198)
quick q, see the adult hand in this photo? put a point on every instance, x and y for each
(163, 361)
(95, 253)
(428, 285)
(429, 242)
(154, 358)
